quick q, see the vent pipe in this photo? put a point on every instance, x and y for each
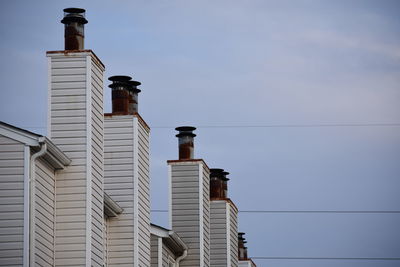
(185, 140)
(133, 97)
(224, 184)
(242, 248)
(120, 94)
(74, 21)
(216, 183)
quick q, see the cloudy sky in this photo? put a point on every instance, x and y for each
(231, 68)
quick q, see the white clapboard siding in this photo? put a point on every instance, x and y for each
(44, 213)
(167, 256)
(126, 180)
(154, 251)
(143, 193)
(76, 127)
(234, 234)
(11, 202)
(206, 215)
(224, 235)
(218, 233)
(247, 263)
(97, 144)
(190, 200)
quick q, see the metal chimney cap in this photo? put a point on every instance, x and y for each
(215, 172)
(133, 85)
(74, 10)
(74, 15)
(120, 78)
(223, 177)
(185, 131)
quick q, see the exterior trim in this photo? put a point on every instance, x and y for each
(59, 159)
(135, 192)
(170, 196)
(201, 215)
(49, 97)
(159, 252)
(27, 153)
(88, 162)
(228, 235)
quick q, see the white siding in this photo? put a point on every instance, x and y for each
(97, 144)
(127, 182)
(154, 251)
(118, 183)
(166, 255)
(218, 233)
(206, 215)
(44, 213)
(76, 127)
(234, 234)
(143, 194)
(11, 202)
(187, 204)
(224, 235)
(245, 264)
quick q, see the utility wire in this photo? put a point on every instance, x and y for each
(312, 211)
(327, 258)
(274, 125)
(292, 125)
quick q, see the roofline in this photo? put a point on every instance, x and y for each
(178, 161)
(60, 160)
(111, 208)
(167, 235)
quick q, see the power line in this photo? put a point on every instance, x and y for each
(327, 258)
(292, 125)
(312, 211)
(274, 125)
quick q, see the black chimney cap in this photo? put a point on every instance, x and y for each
(216, 172)
(185, 131)
(74, 10)
(120, 78)
(133, 85)
(74, 15)
(224, 174)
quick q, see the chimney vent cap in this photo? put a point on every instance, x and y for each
(120, 78)
(185, 131)
(133, 85)
(74, 10)
(216, 172)
(73, 14)
(223, 177)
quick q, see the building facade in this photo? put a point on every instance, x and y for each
(81, 195)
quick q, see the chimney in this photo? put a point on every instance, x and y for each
(120, 94)
(224, 184)
(216, 184)
(74, 21)
(133, 97)
(241, 246)
(186, 144)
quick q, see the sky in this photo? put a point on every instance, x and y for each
(231, 68)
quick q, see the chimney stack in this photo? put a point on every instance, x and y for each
(186, 144)
(74, 21)
(124, 95)
(242, 247)
(133, 97)
(216, 184)
(224, 184)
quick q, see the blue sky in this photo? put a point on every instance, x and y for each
(248, 63)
